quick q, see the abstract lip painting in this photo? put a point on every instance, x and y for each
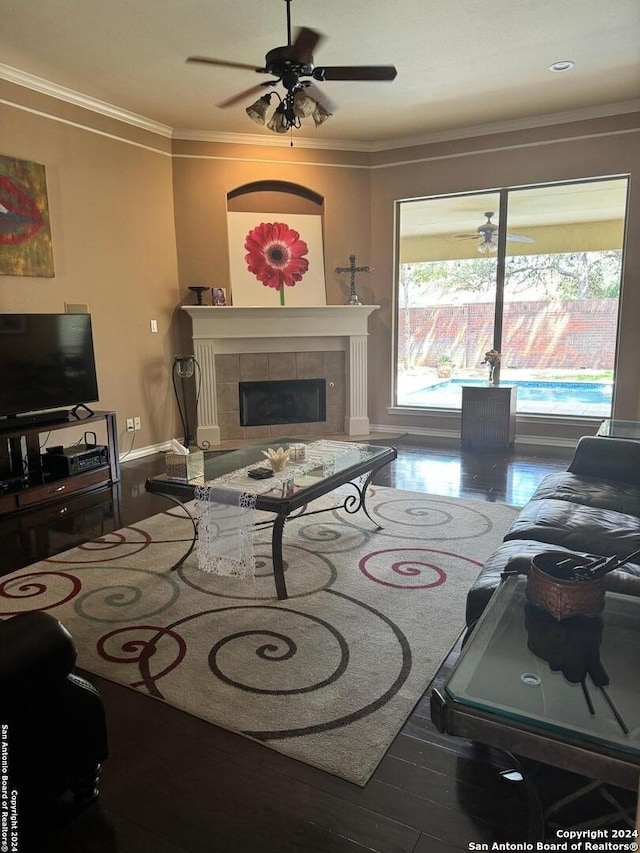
(25, 234)
(276, 259)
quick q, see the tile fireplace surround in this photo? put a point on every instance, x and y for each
(250, 344)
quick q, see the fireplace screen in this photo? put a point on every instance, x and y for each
(288, 401)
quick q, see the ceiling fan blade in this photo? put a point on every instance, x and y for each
(519, 238)
(223, 62)
(304, 44)
(242, 96)
(512, 238)
(355, 72)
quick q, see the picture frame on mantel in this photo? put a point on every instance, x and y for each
(219, 296)
(25, 232)
(276, 259)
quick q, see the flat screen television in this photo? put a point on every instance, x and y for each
(46, 362)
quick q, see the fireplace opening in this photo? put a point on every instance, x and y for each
(286, 401)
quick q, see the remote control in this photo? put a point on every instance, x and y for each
(260, 473)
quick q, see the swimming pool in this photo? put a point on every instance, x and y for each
(553, 392)
(579, 398)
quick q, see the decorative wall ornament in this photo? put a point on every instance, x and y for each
(276, 259)
(353, 269)
(25, 234)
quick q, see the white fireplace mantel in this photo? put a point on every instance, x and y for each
(217, 330)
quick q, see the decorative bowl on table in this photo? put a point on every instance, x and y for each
(563, 597)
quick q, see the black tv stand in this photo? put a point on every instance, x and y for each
(24, 486)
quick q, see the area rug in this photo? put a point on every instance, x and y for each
(327, 676)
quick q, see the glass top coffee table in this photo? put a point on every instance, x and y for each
(565, 693)
(343, 463)
(614, 428)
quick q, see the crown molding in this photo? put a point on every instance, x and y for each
(78, 99)
(273, 140)
(38, 84)
(582, 114)
(528, 123)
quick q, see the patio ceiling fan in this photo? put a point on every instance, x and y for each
(487, 234)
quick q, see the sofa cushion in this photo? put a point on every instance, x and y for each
(606, 494)
(580, 528)
(607, 459)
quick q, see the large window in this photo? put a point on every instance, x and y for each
(543, 291)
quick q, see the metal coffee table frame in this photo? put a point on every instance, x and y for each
(284, 507)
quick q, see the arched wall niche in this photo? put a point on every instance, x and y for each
(276, 201)
(274, 197)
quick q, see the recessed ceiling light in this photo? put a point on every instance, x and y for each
(562, 65)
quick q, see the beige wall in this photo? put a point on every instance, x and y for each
(205, 173)
(111, 211)
(133, 229)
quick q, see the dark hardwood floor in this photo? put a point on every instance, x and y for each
(176, 784)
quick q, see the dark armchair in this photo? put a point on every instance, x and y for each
(53, 721)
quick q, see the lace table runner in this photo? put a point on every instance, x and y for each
(226, 507)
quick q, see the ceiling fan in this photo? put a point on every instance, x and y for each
(293, 66)
(487, 233)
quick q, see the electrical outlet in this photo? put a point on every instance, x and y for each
(130, 425)
(137, 424)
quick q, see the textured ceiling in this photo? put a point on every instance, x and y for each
(460, 64)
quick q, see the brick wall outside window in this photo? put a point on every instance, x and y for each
(576, 334)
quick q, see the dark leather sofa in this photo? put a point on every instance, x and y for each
(53, 722)
(592, 508)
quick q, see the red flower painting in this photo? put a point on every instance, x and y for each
(275, 255)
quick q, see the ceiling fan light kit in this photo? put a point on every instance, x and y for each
(320, 115)
(303, 105)
(289, 64)
(258, 112)
(488, 247)
(289, 111)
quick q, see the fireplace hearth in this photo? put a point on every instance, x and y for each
(285, 401)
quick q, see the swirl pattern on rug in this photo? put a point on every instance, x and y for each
(327, 676)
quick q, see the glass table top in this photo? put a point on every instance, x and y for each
(523, 665)
(614, 428)
(341, 455)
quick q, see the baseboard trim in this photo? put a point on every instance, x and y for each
(454, 435)
(141, 452)
(427, 432)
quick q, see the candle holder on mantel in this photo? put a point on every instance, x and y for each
(198, 292)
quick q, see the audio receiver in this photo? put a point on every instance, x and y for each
(66, 461)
